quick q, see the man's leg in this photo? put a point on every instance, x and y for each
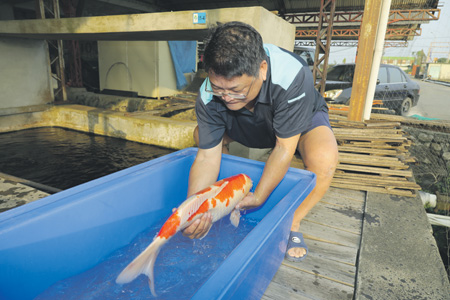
(225, 141)
(318, 149)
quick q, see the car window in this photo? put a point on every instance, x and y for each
(382, 75)
(396, 75)
(341, 73)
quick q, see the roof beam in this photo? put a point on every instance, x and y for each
(397, 15)
(349, 43)
(391, 33)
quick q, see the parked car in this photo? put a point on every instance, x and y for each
(394, 89)
(307, 53)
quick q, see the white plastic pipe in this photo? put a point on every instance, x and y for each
(439, 220)
(378, 53)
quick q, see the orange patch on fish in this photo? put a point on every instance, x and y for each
(201, 210)
(235, 183)
(170, 227)
(213, 202)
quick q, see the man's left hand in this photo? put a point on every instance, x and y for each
(249, 201)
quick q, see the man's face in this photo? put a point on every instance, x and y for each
(245, 88)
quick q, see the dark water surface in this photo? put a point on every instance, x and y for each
(64, 158)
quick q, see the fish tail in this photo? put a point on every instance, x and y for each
(143, 264)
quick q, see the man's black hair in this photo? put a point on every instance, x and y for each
(234, 49)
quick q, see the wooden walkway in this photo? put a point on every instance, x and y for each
(332, 231)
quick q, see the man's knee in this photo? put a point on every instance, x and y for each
(319, 152)
(323, 163)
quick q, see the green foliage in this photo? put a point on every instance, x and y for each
(420, 57)
(443, 186)
(442, 60)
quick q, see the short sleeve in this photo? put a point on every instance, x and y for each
(211, 125)
(295, 107)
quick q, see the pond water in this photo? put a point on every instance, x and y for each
(64, 158)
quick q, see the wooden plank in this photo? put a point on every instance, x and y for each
(370, 157)
(380, 124)
(397, 192)
(362, 161)
(338, 253)
(376, 132)
(344, 203)
(382, 171)
(374, 145)
(334, 235)
(280, 291)
(323, 267)
(392, 139)
(336, 217)
(311, 285)
(359, 176)
(380, 183)
(343, 198)
(387, 152)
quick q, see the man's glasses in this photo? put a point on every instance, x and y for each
(209, 90)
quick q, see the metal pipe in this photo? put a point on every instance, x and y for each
(39, 186)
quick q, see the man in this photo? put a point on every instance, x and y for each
(260, 96)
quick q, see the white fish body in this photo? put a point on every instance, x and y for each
(219, 199)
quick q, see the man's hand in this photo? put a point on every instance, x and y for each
(249, 201)
(199, 228)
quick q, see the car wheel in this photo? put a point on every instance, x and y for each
(405, 107)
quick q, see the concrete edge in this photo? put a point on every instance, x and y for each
(398, 258)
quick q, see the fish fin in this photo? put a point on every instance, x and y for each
(235, 217)
(143, 264)
(192, 204)
(200, 238)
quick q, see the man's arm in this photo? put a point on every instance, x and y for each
(204, 172)
(276, 167)
(205, 169)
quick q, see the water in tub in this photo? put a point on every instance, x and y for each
(183, 265)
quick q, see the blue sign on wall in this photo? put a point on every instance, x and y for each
(199, 18)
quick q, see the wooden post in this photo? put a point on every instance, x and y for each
(366, 46)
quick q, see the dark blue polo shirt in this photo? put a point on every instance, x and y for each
(284, 107)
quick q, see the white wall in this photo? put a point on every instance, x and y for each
(145, 67)
(24, 73)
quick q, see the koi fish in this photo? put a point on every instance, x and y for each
(219, 199)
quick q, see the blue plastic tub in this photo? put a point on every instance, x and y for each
(70, 232)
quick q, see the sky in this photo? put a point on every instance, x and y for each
(433, 32)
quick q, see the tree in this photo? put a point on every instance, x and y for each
(442, 60)
(420, 57)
